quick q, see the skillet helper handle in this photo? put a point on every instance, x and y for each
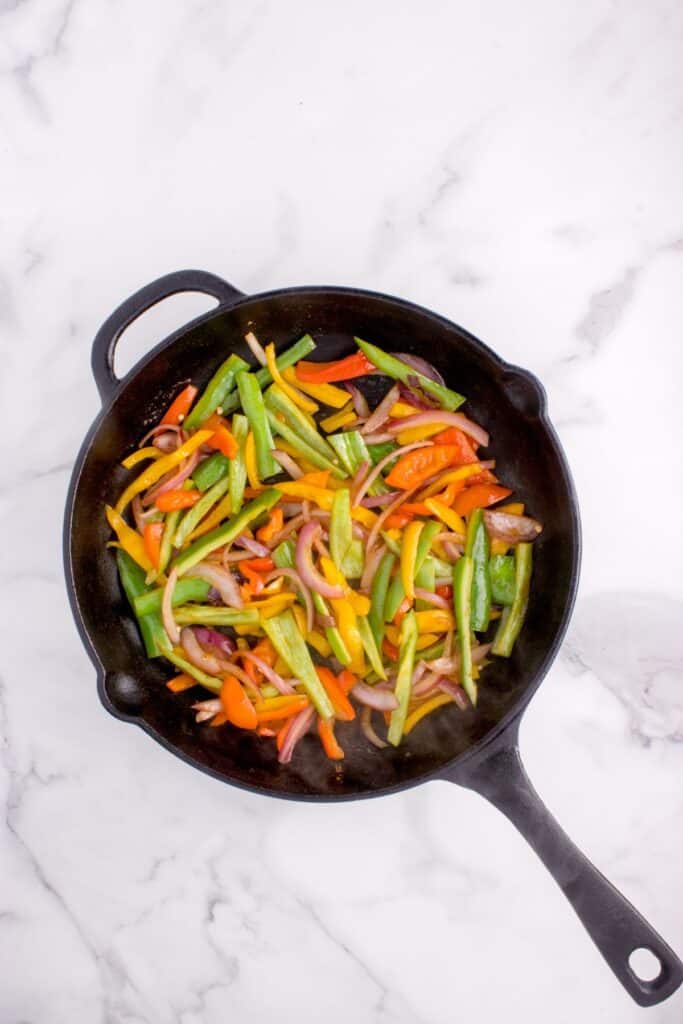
(615, 926)
(106, 339)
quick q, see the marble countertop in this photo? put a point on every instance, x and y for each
(516, 167)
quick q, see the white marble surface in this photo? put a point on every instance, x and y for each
(517, 167)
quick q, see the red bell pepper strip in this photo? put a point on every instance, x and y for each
(180, 406)
(479, 496)
(357, 365)
(151, 538)
(172, 500)
(415, 467)
(461, 441)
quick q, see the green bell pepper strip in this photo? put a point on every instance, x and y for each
(210, 471)
(378, 596)
(292, 355)
(406, 664)
(347, 553)
(210, 615)
(216, 391)
(283, 633)
(512, 618)
(425, 579)
(370, 646)
(303, 448)
(283, 556)
(478, 547)
(237, 473)
(393, 367)
(188, 589)
(133, 582)
(352, 450)
(463, 571)
(502, 575)
(226, 533)
(278, 402)
(255, 411)
(209, 682)
(353, 563)
(378, 451)
(429, 531)
(443, 569)
(433, 652)
(194, 515)
(395, 595)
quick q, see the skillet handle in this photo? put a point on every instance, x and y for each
(104, 345)
(612, 922)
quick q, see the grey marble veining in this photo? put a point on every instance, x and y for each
(515, 167)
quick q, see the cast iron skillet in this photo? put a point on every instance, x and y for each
(475, 749)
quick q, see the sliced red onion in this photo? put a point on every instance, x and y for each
(420, 365)
(449, 419)
(288, 528)
(372, 559)
(291, 508)
(358, 478)
(309, 533)
(281, 685)
(159, 430)
(360, 402)
(453, 551)
(172, 481)
(381, 413)
(379, 500)
(306, 510)
(212, 638)
(257, 549)
(206, 709)
(294, 576)
(196, 654)
(373, 697)
(298, 728)
(425, 685)
(384, 515)
(256, 348)
(141, 518)
(511, 529)
(415, 398)
(375, 472)
(287, 463)
(445, 665)
(368, 731)
(379, 438)
(455, 691)
(430, 598)
(170, 624)
(220, 578)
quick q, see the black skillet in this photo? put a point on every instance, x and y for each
(475, 749)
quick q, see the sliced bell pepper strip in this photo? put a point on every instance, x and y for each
(129, 539)
(181, 683)
(513, 616)
(461, 441)
(502, 575)
(132, 578)
(216, 391)
(275, 523)
(305, 404)
(356, 365)
(161, 467)
(180, 406)
(255, 411)
(302, 450)
(419, 433)
(435, 620)
(151, 538)
(425, 709)
(378, 596)
(140, 455)
(190, 588)
(285, 637)
(212, 615)
(341, 533)
(406, 663)
(478, 549)
(237, 471)
(415, 467)
(277, 402)
(170, 501)
(479, 496)
(237, 707)
(452, 520)
(251, 462)
(326, 394)
(425, 579)
(226, 534)
(329, 741)
(411, 537)
(210, 471)
(393, 367)
(352, 451)
(370, 646)
(343, 708)
(338, 419)
(268, 711)
(462, 602)
(299, 349)
(223, 441)
(222, 511)
(195, 514)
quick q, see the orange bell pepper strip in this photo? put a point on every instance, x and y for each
(151, 538)
(266, 533)
(479, 496)
(445, 591)
(180, 406)
(293, 706)
(346, 680)
(237, 707)
(398, 520)
(223, 441)
(357, 365)
(412, 508)
(328, 740)
(220, 719)
(460, 440)
(180, 683)
(390, 650)
(343, 708)
(172, 500)
(415, 467)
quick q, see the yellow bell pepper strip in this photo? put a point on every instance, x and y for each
(160, 468)
(424, 640)
(283, 633)
(287, 358)
(318, 642)
(411, 536)
(129, 539)
(478, 549)
(320, 496)
(255, 411)
(462, 601)
(140, 455)
(425, 709)
(132, 578)
(436, 620)
(406, 664)
(305, 404)
(450, 476)
(400, 410)
(216, 391)
(268, 606)
(339, 419)
(359, 602)
(378, 596)
(226, 534)
(250, 462)
(418, 433)
(189, 589)
(502, 575)
(513, 616)
(513, 508)
(212, 615)
(393, 367)
(279, 404)
(452, 520)
(370, 646)
(326, 394)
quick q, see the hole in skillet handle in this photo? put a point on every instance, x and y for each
(645, 965)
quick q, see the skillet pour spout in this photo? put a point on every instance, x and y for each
(476, 749)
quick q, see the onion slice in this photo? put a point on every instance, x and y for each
(308, 533)
(373, 697)
(360, 402)
(430, 598)
(256, 348)
(368, 731)
(220, 578)
(212, 638)
(449, 419)
(171, 482)
(254, 547)
(287, 463)
(299, 726)
(170, 624)
(381, 413)
(196, 654)
(271, 675)
(294, 576)
(420, 365)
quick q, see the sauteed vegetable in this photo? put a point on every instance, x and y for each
(308, 560)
